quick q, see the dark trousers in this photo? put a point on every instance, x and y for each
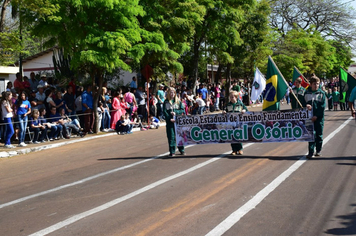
(318, 134)
(89, 120)
(141, 110)
(37, 135)
(330, 104)
(171, 136)
(236, 147)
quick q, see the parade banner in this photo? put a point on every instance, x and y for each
(253, 127)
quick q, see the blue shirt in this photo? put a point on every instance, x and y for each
(24, 107)
(204, 92)
(154, 119)
(54, 118)
(87, 98)
(35, 122)
(133, 84)
(353, 95)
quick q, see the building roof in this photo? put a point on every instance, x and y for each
(36, 55)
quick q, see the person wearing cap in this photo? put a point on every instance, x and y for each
(43, 81)
(299, 92)
(33, 81)
(161, 96)
(40, 96)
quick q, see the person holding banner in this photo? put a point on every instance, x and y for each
(235, 105)
(315, 99)
(172, 107)
(299, 91)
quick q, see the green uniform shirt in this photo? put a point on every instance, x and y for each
(318, 100)
(336, 96)
(299, 92)
(235, 107)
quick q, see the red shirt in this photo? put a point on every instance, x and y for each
(18, 84)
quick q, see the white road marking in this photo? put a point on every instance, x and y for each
(114, 202)
(81, 181)
(232, 219)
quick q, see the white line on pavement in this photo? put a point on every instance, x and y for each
(114, 202)
(82, 181)
(251, 204)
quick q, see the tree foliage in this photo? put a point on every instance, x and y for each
(332, 18)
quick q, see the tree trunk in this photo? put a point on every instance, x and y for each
(96, 93)
(228, 82)
(3, 14)
(218, 74)
(196, 65)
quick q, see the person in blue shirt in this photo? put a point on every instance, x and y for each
(23, 110)
(37, 127)
(203, 91)
(133, 83)
(56, 120)
(87, 106)
(155, 122)
(55, 128)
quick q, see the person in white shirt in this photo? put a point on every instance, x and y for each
(6, 109)
(201, 104)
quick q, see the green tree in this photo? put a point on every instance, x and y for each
(99, 35)
(173, 22)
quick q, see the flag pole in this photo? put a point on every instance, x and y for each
(291, 90)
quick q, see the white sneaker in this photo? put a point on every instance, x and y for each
(9, 146)
(36, 142)
(22, 144)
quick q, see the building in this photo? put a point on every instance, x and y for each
(42, 63)
(5, 73)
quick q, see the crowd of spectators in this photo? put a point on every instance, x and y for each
(48, 111)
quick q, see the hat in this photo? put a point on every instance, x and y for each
(43, 76)
(34, 91)
(161, 85)
(40, 86)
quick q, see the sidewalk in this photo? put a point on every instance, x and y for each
(4, 152)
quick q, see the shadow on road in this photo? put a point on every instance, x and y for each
(349, 221)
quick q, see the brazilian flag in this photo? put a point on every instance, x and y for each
(347, 83)
(276, 87)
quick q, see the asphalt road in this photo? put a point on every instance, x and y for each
(121, 185)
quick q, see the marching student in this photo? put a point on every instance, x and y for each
(172, 107)
(236, 105)
(299, 92)
(316, 99)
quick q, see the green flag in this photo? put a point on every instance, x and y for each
(347, 83)
(276, 87)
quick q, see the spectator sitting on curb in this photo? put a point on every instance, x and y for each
(128, 123)
(155, 123)
(121, 127)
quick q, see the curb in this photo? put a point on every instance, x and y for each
(5, 154)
